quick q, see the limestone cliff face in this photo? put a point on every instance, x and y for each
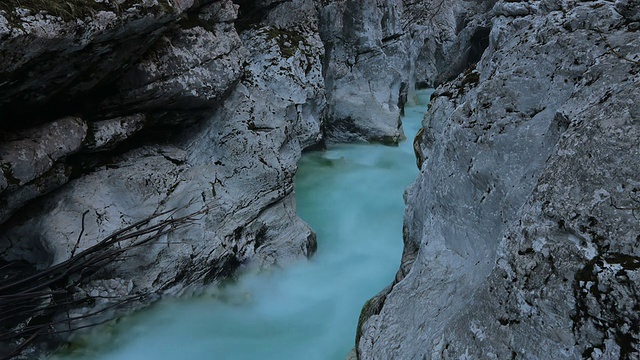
(176, 126)
(54, 57)
(447, 37)
(56, 127)
(521, 231)
(239, 165)
(366, 69)
(378, 52)
(204, 126)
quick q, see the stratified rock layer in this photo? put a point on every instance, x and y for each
(447, 37)
(522, 230)
(240, 163)
(48, 60)
(189, 68)
(230, 173)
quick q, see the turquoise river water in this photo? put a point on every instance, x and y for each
(351, 195)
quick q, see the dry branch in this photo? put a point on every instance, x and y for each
(31, 301)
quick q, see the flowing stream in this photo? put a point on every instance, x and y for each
(351, 195)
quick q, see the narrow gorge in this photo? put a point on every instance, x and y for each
(149, 148)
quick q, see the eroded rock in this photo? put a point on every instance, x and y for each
(48, 59)
(520, 230)
(366, 70)
(107, 134)
(26, 158)
(447, 38)
(234, 170)
(190, 67)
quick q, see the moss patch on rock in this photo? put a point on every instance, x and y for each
(288, 40)
(69, 10)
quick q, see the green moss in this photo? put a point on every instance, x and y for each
(83, 347)
(70, 9)
(67, 9)
(370, 308)
(288, 40)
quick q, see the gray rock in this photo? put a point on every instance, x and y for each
(34, 161)
(521, 230)
(447, 38)
(37, 149)
(630, 9)
(46, 59)
(190, 72)
(236, 167)
(14, 199)
(190, 67)
(291, 14)
(106, 134)
(366, 67)
(511, 9)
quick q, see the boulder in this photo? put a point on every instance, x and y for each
(228, 179)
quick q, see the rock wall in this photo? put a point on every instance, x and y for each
(190, 68)
(366, 70)
(182, 73)
(55, 57)
(447, 37)
(187, 118)
(522, 228)
(205, 125)
(520, 231)
(377, 53)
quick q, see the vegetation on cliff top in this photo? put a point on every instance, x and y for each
(73, 9)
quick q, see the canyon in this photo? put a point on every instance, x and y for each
(148, 149)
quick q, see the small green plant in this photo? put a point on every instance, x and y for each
(288, 40)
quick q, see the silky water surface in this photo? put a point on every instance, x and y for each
(351, 195)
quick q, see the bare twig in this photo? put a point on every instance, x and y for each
(633, 209)
(73, 252)
(47, 293)
(613, 50)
